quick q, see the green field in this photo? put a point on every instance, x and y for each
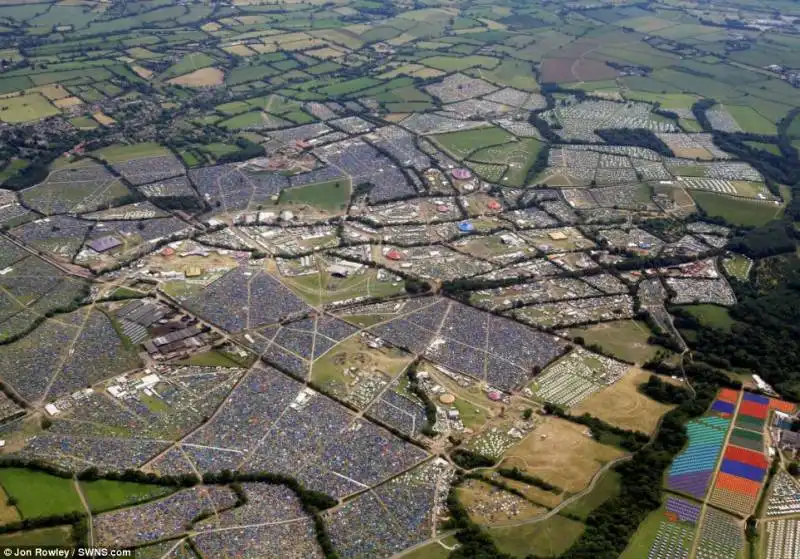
(738, 266)
(119, 153)
(103, 495)
(735, 210)
(519, 156)
(750, 120)
(57, 536)
(607, 487)
(330, 196)
(644, 537)
(25, 108)
(462, 144)
(711, 316)
(456, 64)
(511, 73)
(188, 64)
(38, 493)
(211, 358)
(626, 339)
(548, 538)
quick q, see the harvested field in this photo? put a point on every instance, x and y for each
(565, 70)
(622, 404)
(141, 71)
(205, 77)
(103, 119)
(67, 102)
(561, 453)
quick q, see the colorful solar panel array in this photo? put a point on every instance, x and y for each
(692, 470)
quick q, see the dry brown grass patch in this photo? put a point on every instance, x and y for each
(561, 453)
(205, 77)
(67, 102)
(492, 506)
(622, 404)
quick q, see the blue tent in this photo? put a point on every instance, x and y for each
(466, 227)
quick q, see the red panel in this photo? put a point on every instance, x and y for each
(746, 456)
(728, 395)
(753, 410)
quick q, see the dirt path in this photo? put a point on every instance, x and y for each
(90, 540)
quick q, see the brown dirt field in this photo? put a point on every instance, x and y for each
(7, 512)
(103, 119)
(67, 102)
(492, 506)
(691, 153)
(325, 52)
(54, 92)
(205, 77)
(141, 71)
(557, 70)
(561, 453)
(240, 50)
(592, 70)
(622, 404)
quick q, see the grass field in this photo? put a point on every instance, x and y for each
(461, 144)
(711, 316)
(750, 120)
(561, 453)
(118, 153)
(622, 404)
(39, 494)
(734, 210)
(210, 359)
(548, 538)
(103, 495)
(607, 487)
(330, 196)
(456, 64)
(189, 63)
(57, 536)
(738, 266)
(519, 156)
(642, 540)
(26, 108)
(625, 339)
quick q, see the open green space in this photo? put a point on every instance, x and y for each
(607, 487)
(25, 108)
(736, 210)
(461, 144)
(329, 196)
(625, 339)
(40, 494)
(103, 495)
(712, 316)
(119, 153)
(60, 536)
(519, 156)
(547, 538)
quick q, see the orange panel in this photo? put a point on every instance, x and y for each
(728, 395)
(780, 405)
(738, 484)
